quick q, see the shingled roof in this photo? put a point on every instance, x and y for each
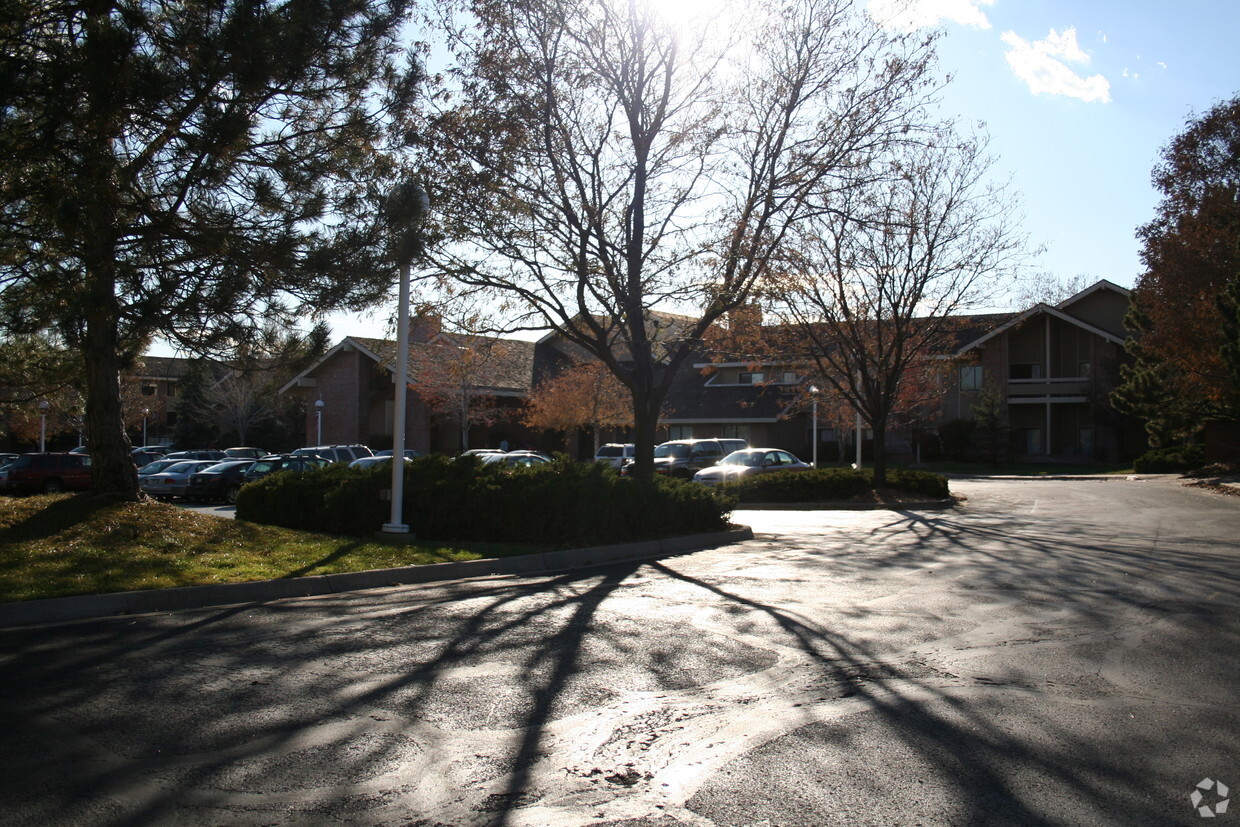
(508, 366)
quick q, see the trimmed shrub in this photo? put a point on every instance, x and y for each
(930, 485)
(831, 485)
(1172, 460)
(559, 503)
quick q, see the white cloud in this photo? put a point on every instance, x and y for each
(909, 15)
(1043, 66)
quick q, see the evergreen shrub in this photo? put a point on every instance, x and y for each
(823, 485)
(1171, 460)
(559, 503)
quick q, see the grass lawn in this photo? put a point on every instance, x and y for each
(60, 545)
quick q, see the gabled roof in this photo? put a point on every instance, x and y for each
(1101, 284)
(1036, 310)
(348, 342)
(162, 367)
(660, 326)
(508, 368)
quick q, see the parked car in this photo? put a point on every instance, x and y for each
(409, 453)
(245, 453)
(173, 481)
(5, 459)
(47, 473)
(198, 454)
(335, 453)
(143, 458)
(156, 466)
(219, 482)
(749, 462)
(366, 462)
(685, 457)
(282, 462)
(615, 454)
(480, 452)
(516, 459)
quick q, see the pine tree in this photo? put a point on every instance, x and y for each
(187, 170)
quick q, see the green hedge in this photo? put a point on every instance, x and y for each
(831, 485)
(1173, 460)
(562, 502)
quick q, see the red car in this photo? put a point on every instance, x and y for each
(48, 474)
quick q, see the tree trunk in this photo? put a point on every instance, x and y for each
(879, 447)
(111, 462)
(645, 422)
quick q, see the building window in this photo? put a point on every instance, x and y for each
(680, 432)
(971, 378)
(790, 377)
(750, 378)
(172, 389)
(1026, 370)
(736, 432)
(148, 390)
(172, 418)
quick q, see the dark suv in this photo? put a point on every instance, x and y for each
(685, 457)
(48, 473)
(335, 453)
(281, 462)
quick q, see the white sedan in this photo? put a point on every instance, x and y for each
(749, 462)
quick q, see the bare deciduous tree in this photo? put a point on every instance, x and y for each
(884, 272)
(592, 167)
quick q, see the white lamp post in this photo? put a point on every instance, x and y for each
(859, 434)
(145, 413)
(318, 415)
(406, 205)
(813, 390)
(43, 406)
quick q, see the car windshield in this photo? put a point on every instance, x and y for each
(675, 451)
(227, 466)
(180, 467)
(610, 451)
(155, 467)
(264, 466)
(749, 459)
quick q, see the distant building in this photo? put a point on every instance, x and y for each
(1055, 366)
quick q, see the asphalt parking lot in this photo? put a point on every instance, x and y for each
(1047, 653)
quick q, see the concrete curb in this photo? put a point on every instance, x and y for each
(921, 505)
(1058, 477)
(62, 609)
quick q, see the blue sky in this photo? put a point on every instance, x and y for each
(1079, 98)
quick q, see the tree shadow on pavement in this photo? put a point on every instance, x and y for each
(343, 708)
